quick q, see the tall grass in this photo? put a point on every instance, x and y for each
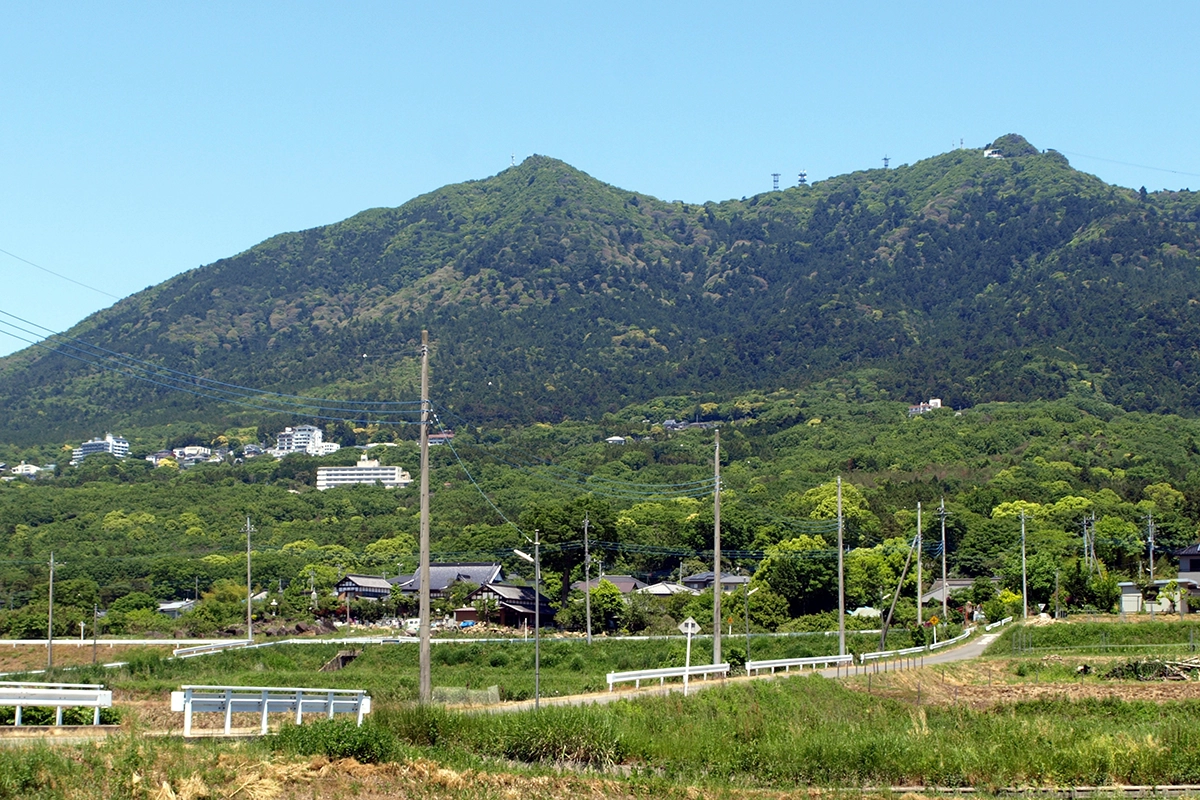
(809, 730)
(389, 672)
(1100, 637)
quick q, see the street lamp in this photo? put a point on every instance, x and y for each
(750, 592)
(536, 560)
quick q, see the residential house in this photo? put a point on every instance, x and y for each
(176, 608)
(444, 576)
(626, 584)
(514, 606)
(704, 580)
(363, 587)
(923, 408)
(665, 589)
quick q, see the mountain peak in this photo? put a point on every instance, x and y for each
(1013, 145)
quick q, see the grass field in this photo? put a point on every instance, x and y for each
(389, 672)
(1029, 718)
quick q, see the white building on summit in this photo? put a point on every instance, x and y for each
(365, 471)
(115, 446)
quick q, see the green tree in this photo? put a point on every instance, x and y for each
(804, 572)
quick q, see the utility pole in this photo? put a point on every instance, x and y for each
(1150, 520)
(50, 619)
(95, 624)
(717, 586)
(587, 578)
(887, 622)
(425, 681)
(249, 529)
(841, 580)
(919, 614)
(1024, 583)
(945, 588)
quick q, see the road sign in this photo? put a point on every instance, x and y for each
(690, 627)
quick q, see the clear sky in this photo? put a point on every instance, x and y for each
(138, 140)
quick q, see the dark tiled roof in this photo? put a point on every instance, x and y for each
(441, 576)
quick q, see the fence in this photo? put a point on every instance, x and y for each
(637, 676)
(264, 700)
(787, 663)
(57, 696)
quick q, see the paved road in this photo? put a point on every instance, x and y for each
(964, 652)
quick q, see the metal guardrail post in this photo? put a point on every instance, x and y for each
(187, 713)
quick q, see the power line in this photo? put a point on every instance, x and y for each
(1131, 164)
(58, 275)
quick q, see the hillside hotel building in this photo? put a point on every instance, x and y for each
(365, 471)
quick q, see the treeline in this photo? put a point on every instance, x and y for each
(117, 528)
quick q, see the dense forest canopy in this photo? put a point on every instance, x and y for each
(552, 296)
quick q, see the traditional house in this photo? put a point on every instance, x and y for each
(514, 606)
(359, 587)
(443, 576)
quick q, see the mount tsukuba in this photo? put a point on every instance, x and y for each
(976, 275)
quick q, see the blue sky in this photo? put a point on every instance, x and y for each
(138, 140)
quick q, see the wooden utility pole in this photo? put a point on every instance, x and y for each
(841, 578)
(425, 692)
(717, 585)
(887, 622)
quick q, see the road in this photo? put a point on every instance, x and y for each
(964, 652)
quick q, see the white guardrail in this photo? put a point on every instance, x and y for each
(1002, 622)
(264, 700)
(787, 663)
(57, 696)
(912, 651)
(637, 676)
(212, 647)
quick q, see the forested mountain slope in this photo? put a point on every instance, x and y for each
(549, 294)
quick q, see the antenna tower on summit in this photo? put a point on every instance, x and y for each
(802, 178)
(886, 161)
(775, 181)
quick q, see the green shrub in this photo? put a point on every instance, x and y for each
(337, 738)
(33, 772)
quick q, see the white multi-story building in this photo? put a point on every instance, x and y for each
(367, 470)
(303, 439)
(115, 446)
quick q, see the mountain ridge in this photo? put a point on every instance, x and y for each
(551, 294)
